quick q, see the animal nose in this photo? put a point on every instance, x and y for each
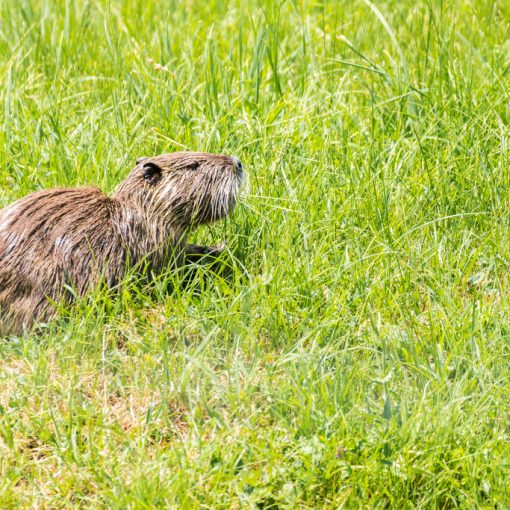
(238, 164)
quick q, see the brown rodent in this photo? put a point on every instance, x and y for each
(59, 239)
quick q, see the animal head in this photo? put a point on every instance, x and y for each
(183, 189)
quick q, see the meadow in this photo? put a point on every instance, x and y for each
(356, 354)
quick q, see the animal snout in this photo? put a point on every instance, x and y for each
(238, 165)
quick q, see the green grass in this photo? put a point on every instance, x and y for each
(358, 357)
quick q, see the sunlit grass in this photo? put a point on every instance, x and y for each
(357, 354)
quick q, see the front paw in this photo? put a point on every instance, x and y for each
(217, 249)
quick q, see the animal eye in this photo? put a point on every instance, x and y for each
(151, 173)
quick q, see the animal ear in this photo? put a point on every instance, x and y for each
(193, 165)
(151, 172)
(140, 160)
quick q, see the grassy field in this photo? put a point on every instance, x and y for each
(358, 355)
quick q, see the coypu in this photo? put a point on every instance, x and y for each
(59, 239)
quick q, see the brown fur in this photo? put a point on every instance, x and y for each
(63, 238)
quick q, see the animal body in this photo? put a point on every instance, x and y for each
(61, 242)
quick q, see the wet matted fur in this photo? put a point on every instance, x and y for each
(63, 238)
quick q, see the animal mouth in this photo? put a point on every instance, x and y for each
(221, 194)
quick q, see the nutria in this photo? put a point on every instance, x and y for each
(58, 243)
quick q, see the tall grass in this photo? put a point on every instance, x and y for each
(358, 354)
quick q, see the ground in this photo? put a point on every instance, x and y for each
(356, 353)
